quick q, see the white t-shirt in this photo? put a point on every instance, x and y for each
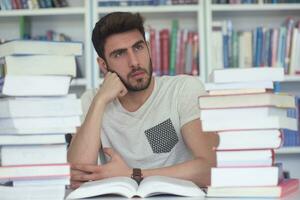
(150, 137)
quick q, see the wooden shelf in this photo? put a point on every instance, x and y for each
(44, 11)
(254, 7)
(292, 78)
(288, 150)
(150, 9)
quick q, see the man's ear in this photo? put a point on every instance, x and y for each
(102, 65)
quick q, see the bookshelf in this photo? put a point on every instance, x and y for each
(74, 21)
(260, 14)
(288, 150)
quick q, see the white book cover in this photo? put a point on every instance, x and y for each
(249, 139)
(240, 85)
(33, 192)
(244, 176)
(40, 65)
(35, 85)
(242, 113)
(32, 172)
(36, 131)
(270, 122)
(12, 107)
(48, 182)
(280, 100)
(245, 158)
(39, 122)
(247, 74)
(29, 47)
(33, 154)
(127, 187)
(32, 139)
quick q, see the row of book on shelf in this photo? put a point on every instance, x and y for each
(31, 4)
(36, 112)
(106, 3)
(262, 46)
(252, 1)
(174, 51)
(250, 118)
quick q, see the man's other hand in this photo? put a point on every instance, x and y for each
(81, 173)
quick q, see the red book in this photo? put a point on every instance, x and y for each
(164, 50)
(284, 188)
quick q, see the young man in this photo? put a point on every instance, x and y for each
(146, 125)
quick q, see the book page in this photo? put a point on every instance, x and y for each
(123, 186)
(156, 185)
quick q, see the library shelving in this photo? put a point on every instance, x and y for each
(247, 17)
(288, 150)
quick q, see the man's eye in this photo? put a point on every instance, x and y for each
(118, 54)
(139, 47)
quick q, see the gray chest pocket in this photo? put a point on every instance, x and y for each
(162, 137)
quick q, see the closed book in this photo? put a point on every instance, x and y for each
(42, 183)
(284, 188)
(39, 122)
(250, 139)
(269, 122)
(35, 131)
(239, 85)
(247, 74)
(32, 139)
(242, 113)
(245, 158)
(247, 100)
(244, 176)
(39, 65)
(32, 172)
(33, 154)
(33, 192)
(29, 47)
(236, 91)
(12, 107)
(34, 85)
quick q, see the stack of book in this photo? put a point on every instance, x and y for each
(36, 112)
(248, 117)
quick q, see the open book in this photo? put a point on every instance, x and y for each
(125, 186)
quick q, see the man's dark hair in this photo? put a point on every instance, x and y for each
(113, 23)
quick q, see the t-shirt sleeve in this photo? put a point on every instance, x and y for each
(188, 106)
(86, 100)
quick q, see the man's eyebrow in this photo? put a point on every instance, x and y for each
(124, 49)
(138, 42)
(117, 51)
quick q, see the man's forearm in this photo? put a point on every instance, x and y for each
(197, 170)
(85, 144)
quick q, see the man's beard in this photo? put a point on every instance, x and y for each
(141, 85)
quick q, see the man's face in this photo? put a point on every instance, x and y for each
(128, 56)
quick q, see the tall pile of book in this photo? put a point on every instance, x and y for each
(248, 117)
(36, 112)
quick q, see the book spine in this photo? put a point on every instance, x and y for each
(173, 47)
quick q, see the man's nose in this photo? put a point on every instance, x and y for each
(132, 59)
